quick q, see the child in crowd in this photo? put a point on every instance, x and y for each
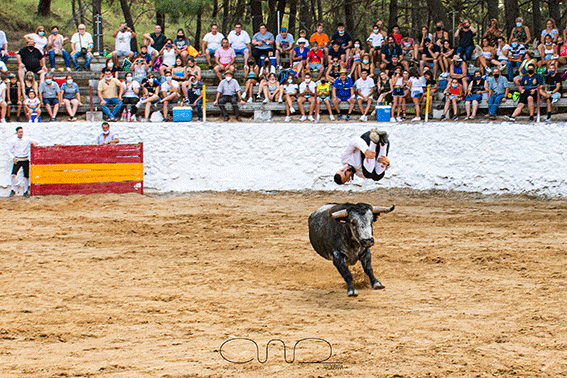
(32, 106)
(416, 84)
(323, 95)
(453, 94)
(251, 72)
(398, 93)
(290, 90)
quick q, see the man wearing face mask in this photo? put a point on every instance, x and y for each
(81, 45)
(515, 57)
(345, 40)
(107, 137)
(389, 50)
(123, 36)
(529, 86)
(466, 35)
(521, 32)
(30, 59)
(48, 95)
(365, 156)
(552, 92)
(229, 91)
(497, 92)
(110, 92)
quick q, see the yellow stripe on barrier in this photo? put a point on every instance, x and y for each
(86, 173)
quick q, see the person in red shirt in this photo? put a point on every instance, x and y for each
(315, 61)
(453, 94)
(396, 34)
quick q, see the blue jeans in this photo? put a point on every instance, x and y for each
(465, 52)
(65, 58)
(494, 102)
(111, 101)
(88, 58)
(511, 66)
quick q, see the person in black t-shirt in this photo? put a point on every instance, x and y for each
(336, 51)
(430, 56)
(465, 33)
(30, 59)
(390, 49)
(553, 89)
(344, 38)
(391, 67)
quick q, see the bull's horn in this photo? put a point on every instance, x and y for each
(377, 210)
(339, 214)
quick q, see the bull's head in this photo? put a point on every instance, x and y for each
(359, 219)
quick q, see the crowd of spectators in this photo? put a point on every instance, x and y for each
(386, 67)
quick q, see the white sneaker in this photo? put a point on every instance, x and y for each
(398, 119)
(3, 120)
(303, 118)
(501, 67)
(445, 74)
(280, 100)
(363, 118)
(53, 70)
(488, 70)
(250, 100)
(265, 101)
(317, 118)
(243, 95)
(311, 118)
(69, 69)
(332, 117)
(287, 119)
(393, 119)
(416, 119)
(292, 110)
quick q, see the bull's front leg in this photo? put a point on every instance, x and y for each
(367, 266)
(339, 262)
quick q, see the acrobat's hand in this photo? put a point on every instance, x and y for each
(370, 154)
(384, 160)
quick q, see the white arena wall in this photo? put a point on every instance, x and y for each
(183, 157)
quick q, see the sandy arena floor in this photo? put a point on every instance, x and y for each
(151, 286)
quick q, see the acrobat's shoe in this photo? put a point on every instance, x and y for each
(378, 137)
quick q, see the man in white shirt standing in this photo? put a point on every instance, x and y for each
(364, 90)
(365, 156)
(211, 42)
(3, 47)
(19, 151)
(81, 45)
(240, 41)
(107, 136)
(123, 36)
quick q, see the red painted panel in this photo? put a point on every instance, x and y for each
(117, 153)
(90, 188)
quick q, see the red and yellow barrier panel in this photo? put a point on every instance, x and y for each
(64, 170)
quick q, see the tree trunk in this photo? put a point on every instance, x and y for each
(74, 10)
(257, 16)
(292, 16)
(349, 17)
(197, 43)
(225, 18)
(130, 22)
(555, 12)
(305, 17)
(417, 19)
(492, 9)
(239, 11)
(439, 13)
(393, 18)
(98, 34)
(281, 9)
(81, 12)
(537, 15)
(319, 11)
(512, 12)
(215, 9)
(44, 7)
(160, 20)
(272, 23)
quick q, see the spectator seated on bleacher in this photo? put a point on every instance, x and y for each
(459, 71)
(552, 91)
(550, 30)
(14, 95)
(307, 92)
(355, 59)
(521, 33)
(193, 93)
(343, 90)
(122, 48)
(179, 72)
(251, 77)
(497, 92)
(486, 53)
(168, 55)
(3, 101)
(169, 93)
(70, 97)
(530, 84)
(225, 59)
(561, 50)
(493, 32)
(211, 42)
(547, 51)
(298, 60)
(364, 92)
(240, 41)
(523, 70)
(182, 44)
(465, 33)
(139, 69)
(440, 35)
(39, 38)
(151, 91)
(344, 39)
(284, 45)
(375, 41)
(30, 59)
(336, 51)
(473, 94)
(321, 38)
(55, 44)
(49, 96)
(290, 90)
(114, 69)
(390, 49)
(131, 89)
(453, 95)
(110, 91)
(515, 58)
(3, 47)
(315, 61)
(445, 57)
(262, 44)
(192, 68)
(430, 56)
(323, 95)
(81, 46)
(272, 90)
(155, 42)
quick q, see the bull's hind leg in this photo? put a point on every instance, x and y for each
(339, 262)
(367, 266)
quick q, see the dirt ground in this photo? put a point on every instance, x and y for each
(152, 286)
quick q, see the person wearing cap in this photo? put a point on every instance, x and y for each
(19, 150)
(228, 91)
(49, 96)
(225, 58)
(343, 90)
(240, 41)
(284, 45)
(459, 71)
(107, 137)
(298, 57)
(263, 43)
(530, 84)
(14, 95)
(365, 156)
(30, 59)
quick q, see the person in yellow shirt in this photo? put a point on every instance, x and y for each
(323, 95)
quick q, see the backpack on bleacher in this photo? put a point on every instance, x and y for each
(283, 76)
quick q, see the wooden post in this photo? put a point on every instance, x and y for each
(427, 102)
(204, 103)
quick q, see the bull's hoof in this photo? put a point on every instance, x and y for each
(378, 285)
(352, 293)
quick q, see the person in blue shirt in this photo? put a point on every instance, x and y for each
(343, 90)
(530, 85)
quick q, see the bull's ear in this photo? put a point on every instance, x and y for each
(340, 215)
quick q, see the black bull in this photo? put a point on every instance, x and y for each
(343, 233)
